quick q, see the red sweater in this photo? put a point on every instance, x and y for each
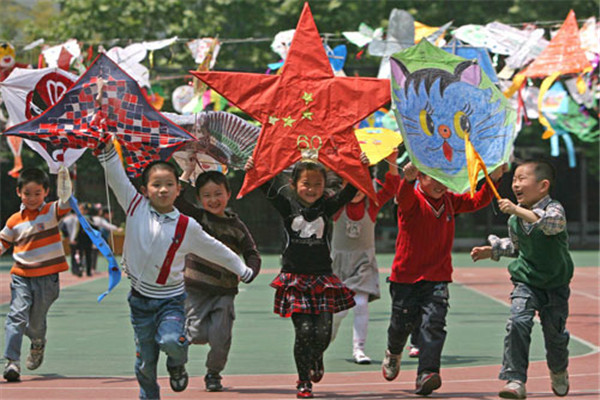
(426, 232)
(356, 211)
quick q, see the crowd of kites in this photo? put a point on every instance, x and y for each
(456, 106)
(455, 97)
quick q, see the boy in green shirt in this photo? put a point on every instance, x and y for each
(540, 274)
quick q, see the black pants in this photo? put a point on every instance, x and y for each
(313, 334)
(426, 303)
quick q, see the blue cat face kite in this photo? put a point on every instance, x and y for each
(439, 99)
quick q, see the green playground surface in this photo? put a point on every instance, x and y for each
(87, 338)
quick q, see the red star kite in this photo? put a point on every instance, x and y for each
(306, 112)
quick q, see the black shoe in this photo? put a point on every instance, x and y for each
(178, 378)
(304, 390)
(427, 382)
(213, 382)
(12, 371)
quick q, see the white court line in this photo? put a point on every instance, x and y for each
(595, 348)
(585, 294)
(283, 386)
(287, 386)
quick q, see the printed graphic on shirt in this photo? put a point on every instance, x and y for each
(308, 229)
(353, 229)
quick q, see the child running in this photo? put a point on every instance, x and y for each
(211, 289)
(157, 239)
(353, 256)
(39, 258)
(541, 274)
(306, 288)
(422, 269)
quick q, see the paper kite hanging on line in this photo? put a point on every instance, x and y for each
(305, 112)
(107, 102)
(224, 141)
(445, 107)
(563, 55)
(27, 93)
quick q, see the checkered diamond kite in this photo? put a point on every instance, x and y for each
(106, 101)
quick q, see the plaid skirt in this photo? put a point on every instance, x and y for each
(310, 294)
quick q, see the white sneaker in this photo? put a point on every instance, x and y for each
(560, 383)
(361, 358)
(513, 390)
(391, 365)
(413, 352)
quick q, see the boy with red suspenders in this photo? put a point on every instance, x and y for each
(157, 239)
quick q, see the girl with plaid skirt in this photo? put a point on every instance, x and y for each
(306, 288)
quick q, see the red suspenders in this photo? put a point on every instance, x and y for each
(182, 224)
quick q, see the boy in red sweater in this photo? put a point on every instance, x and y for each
(422, 269)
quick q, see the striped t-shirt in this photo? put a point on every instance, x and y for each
(36, 239)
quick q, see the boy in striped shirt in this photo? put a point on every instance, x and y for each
(39, 258)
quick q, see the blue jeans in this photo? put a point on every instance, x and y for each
(31, 299)
(421, 305)
(158, 324)
(553, 308)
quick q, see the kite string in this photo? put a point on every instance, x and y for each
(109, 207)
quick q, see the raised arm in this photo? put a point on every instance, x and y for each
(273, 192)
(406, 197)
(117, 179)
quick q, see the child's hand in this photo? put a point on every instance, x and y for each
(109, 146)
(481, 253)
(410, 172)
(498, 172)
(191, 167)
(64, 189)
(364, 159)
(507, 206)
(249, 164)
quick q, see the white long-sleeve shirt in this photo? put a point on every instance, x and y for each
(149, 234)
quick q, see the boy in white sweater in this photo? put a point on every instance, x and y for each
(157, 239)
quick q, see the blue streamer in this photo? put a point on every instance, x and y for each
(114, 272)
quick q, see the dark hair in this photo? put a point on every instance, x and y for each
(90, 209)
(215, 177)
(33, 175)
(159, 164)
(542, 169)
(307, 166)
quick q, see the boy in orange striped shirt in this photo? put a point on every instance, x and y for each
(39, 257)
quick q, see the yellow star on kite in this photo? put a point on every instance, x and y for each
(288, 121)
(307, 97)
(307, 115)
(273, 119)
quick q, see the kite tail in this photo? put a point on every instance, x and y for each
(114, 272)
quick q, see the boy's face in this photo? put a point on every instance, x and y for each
(162, 189)
(32, 195)
(310, 186)
(214, 198)
(526, 187)
(431, 187)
